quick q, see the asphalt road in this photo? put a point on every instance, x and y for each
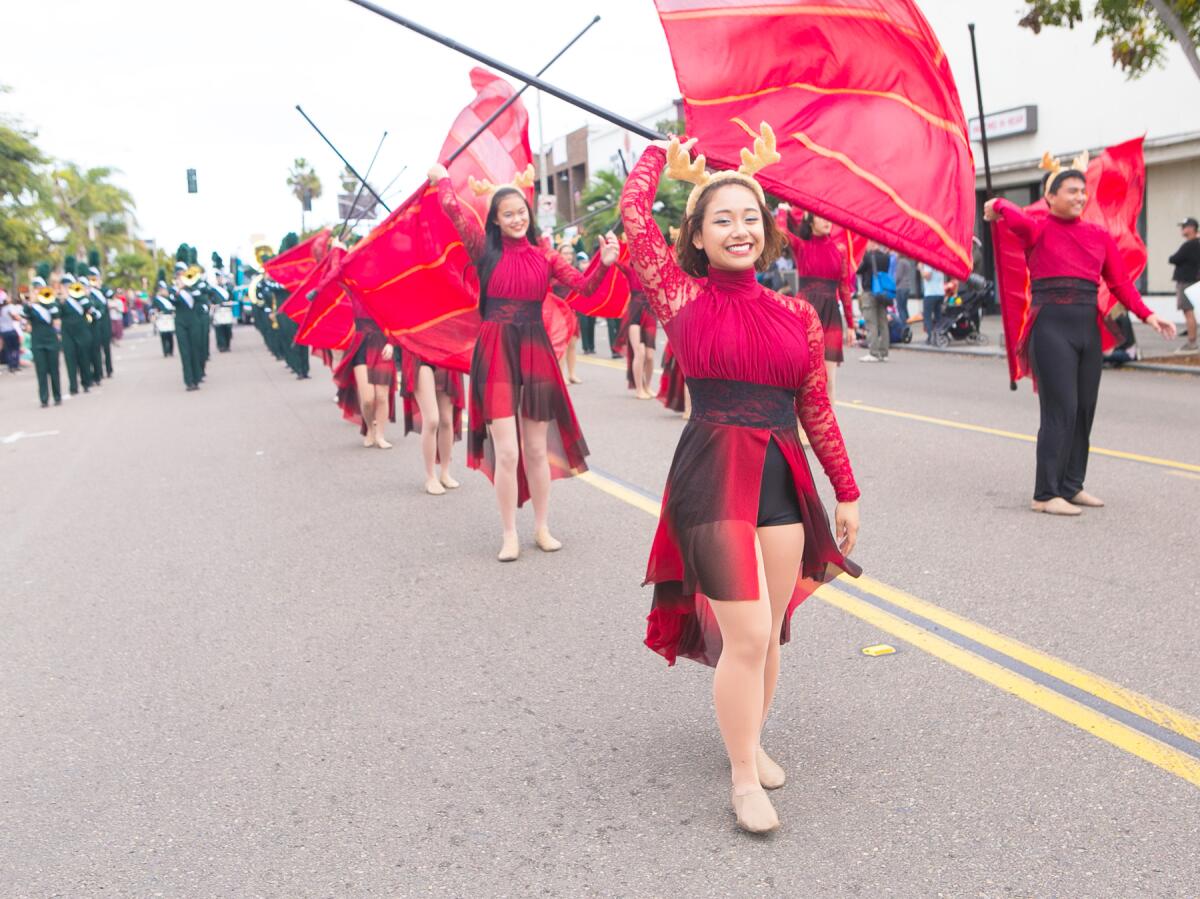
(242, 656)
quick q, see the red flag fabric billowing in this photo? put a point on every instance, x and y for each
(1116, 183)
(612, 296)
(412, 272)
(329, 321)
(863, 104)
(290, 266)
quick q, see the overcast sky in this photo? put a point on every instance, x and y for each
(154, 88)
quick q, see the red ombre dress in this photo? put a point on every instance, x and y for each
(366, 348)
(670, 388)
(513, 369)
(637, 312)
(444, 381)
(754, 362)
(824, 279)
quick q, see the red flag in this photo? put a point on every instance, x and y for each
(412, 271)
(1012, 290)
(612, 296)
(1116, 185)
(863, 105)
(290, 266)
(329, 320)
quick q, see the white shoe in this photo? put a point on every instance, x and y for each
(869, 358)
(1189, 348)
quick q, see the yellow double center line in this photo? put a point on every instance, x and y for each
(1149, 729)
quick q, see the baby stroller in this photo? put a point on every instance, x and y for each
(961, 315)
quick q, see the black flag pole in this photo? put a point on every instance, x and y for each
(487, 123)
(987, 164)
(533, 80)
(361, 184)
(353, 171)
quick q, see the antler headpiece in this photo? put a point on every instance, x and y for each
(1055, 168)
(682, 168)
(522, 181)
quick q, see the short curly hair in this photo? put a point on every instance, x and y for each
(695, 261)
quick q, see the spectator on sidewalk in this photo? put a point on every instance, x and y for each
(1187, 272)
(934, 290)
(10, 333)
(874, 300)
(906, 284)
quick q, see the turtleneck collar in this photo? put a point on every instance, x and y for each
(514, 243)
(741, 283)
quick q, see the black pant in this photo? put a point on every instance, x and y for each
(168, 342)
(224, 337)
(587, 331)
(614, 328)
(12, 349)
(1065, 354)
(45, 361)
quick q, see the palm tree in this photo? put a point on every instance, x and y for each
(600, 202)
(90, 208)
(305, 185)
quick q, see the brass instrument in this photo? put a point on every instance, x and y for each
(77, 290)
(44, 295)
(263, 252)
(192, 276)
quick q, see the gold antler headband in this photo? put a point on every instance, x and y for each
(1054, 167)
(522, 181)
(682, 168)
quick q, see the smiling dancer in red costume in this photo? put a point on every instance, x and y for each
(519, 408)
(1067, 259)
(743, 537)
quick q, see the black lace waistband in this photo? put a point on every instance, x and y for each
(742, 403)
(1064, 292)
(512, 312)
(817, 287)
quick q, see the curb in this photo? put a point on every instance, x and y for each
(1193, 370)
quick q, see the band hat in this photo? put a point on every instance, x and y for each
(180, 267)
(39, 281)
(92, 270)
(67, 278)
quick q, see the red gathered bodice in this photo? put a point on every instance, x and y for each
(524, 271)
(730, 327)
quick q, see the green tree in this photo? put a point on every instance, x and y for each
(305, 185)
(1139, 31)
(601, 201)
(90, 209)
(289, 240)
(22, 239)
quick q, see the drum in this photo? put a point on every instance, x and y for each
(223, 315)
(165, 323)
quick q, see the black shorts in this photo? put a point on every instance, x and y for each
(360, 357)
(777, 500)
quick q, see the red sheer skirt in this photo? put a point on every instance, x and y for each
(703, 551)
(514, 372)
(639, 313)
(444, 381)
(366, 348)
(671, 386)
(821, 293)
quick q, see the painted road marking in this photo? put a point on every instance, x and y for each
(1013, 435)
(25, 435)
(1153, 731)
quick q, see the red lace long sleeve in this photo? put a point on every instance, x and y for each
(816, 416)
(468, 229)
(564, 273)
(668, 288)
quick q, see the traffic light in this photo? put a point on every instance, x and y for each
(191, 173)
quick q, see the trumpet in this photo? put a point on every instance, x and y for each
(77, 290)
(45, 295)
(263, 252)
(192, 275)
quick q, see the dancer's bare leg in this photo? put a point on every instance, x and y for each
(537, 474)
(382, 404)
(366, 402)
(445, 439)
(571, 356)
(636, 350)
(648, 370)
(782, 550)
(427, 404)
(508, 453)
(738, 680)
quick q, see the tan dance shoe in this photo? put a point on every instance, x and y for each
(449, 483)
(1056, 506)
(755, 813)
(545, 542)
(510, 549)
(382, 444)
(1083, 498)
(770, 775)
(434, 487)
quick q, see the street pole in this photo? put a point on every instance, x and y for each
(344, 160)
